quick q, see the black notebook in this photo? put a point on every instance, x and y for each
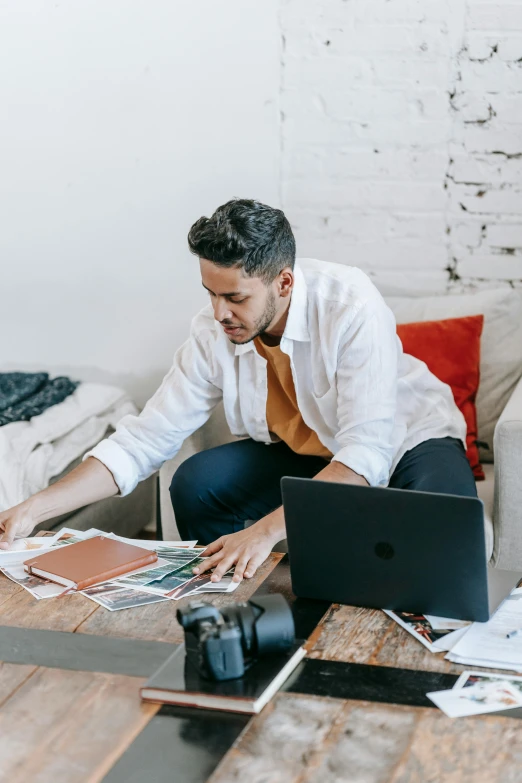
(177, 681)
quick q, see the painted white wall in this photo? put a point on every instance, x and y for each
(122, 122)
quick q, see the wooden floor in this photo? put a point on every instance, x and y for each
(72, 726)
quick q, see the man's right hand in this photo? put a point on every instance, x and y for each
(17, 521)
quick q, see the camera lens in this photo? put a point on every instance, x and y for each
(274, 626)
(266, 624)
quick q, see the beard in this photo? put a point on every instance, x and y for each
(263, 322)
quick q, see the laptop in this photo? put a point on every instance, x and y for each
(387, 548)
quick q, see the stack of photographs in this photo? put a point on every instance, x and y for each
(170, 578)
(438, 634)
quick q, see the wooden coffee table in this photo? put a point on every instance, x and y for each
(370, 722)
(355, 710)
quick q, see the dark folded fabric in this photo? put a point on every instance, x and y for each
(18, 386)
(47, 394)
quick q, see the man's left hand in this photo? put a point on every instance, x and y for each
(246, 549)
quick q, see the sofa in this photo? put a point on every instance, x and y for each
(499, 413)
(44, 448)
(125, 516)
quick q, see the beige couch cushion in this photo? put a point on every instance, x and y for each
(485, 490)
(501, 345)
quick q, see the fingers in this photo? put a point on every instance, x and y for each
(253, 565)
(240, 568)
(247, 550)
(225, 564)
(207, 564)
(7, 537)
(214, 547)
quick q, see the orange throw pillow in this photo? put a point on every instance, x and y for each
(451, 349)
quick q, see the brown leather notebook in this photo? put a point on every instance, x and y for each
(89, 562)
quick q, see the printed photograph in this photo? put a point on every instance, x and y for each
(489, 693)
(422, 626)
(29, 581)
(104, 589)
(190, 587)
(151, 575)
(68, 538)
(36, 585)
(476, 678)
(168, 583)
(125, 599)
(180, 554)
(477, 699)
(186, 572)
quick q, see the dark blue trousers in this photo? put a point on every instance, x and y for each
(214, 492)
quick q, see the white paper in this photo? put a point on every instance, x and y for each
(484, 662)
(449, 641)
(486, 644)
(147, 544)
(446, 623)
(477, 699)
(24, 548)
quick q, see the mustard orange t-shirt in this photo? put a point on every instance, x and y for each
(282, 414)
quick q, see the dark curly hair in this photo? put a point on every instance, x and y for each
(247, 234)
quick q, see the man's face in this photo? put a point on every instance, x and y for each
(244, 306)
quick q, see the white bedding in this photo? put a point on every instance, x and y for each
(32, 452)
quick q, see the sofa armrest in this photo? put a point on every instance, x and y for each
(214, 433)
(507, 514)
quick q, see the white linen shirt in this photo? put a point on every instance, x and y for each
(367, 401)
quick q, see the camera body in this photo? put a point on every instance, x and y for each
(223, 644)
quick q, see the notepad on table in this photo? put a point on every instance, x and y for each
(178, 682)
(89, 562)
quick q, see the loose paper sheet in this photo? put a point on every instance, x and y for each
(486, 644)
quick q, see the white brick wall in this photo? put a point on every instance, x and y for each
(402, 137)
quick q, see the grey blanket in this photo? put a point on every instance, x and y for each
(27, 394)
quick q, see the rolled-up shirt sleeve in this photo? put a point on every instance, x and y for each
(183, 403)
(367, 378)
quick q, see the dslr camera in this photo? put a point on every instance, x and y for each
(223, 643)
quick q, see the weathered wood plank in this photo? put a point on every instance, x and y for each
(12, 676)
(278, 744)
(7, 589)
(365, 745)
(355, 635)
(53, 614)
(63, 727)
(158, 621)
(302, 739)
(350, 634)
(482, 749)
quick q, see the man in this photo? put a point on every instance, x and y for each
(306, 358)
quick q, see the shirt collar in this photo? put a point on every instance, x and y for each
(297, 322)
